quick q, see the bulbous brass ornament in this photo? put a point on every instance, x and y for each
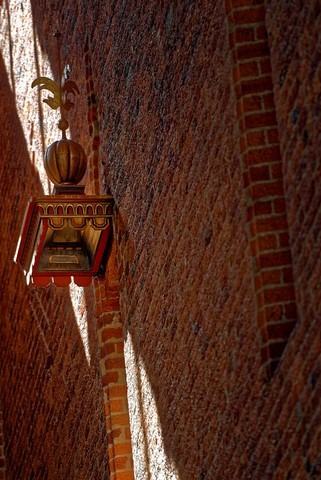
(65, 162)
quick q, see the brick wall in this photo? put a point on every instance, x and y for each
(295, 40)
(171, 100)
(54, 422)
(2, 455)
(112, 367)
(263, 179)
(177, 101)
(171, 142)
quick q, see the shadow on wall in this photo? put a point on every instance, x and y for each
(52, 399)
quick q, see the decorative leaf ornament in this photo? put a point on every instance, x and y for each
(60, 94)
(68, 88)
(48, 84)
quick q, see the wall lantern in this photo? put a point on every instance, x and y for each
(64, 235)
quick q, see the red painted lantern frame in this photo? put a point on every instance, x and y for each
(89, 218)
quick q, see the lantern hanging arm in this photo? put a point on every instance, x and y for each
(61, 92)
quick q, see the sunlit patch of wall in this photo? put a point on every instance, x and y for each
(77, 296)
(19, 40)
(150, 459)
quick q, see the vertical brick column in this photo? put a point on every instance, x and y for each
(110, 328)
(2, 457)
(263, 178)
(110, 331)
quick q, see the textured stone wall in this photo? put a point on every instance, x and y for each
(178, 117)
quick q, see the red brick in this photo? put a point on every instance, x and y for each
(117, 391)
(110, 377)
(273, 313)
(121, 419)
(111, 333)
(255, 139)
(260, 191)
(249, 15)
(122, 449)
(115, 363)
(277, 349)
(251, 51)
(121, 463)
(263, 155)
(263, 208)
(291, 310)
(257, 85)
(261, 33)
(269, 224)
(248, 69)
(257, 120)
(273, 136)
(252, 103)
(110, 304)
(115, 434)
(274, 259)
(279, 205)
(271, 277)
(107, 319)
(125, 476)
(116, 406)
(108, 349)
(284, 239)
(258, 174)
(267, 242)
(235, 4)
(287, 275)
(278, 294)
(280, 331)
(276, 170)
(244, 34)
(120, 347)
(268, 100)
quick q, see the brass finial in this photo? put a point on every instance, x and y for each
(60, 97)
(65, 161)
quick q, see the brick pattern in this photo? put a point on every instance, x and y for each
(61, 406)
(53, 412)
(110, 326)
(2, 454)
(263, 178)
(170, 153)
(112, 366)
(295, 56)
(172, 162)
